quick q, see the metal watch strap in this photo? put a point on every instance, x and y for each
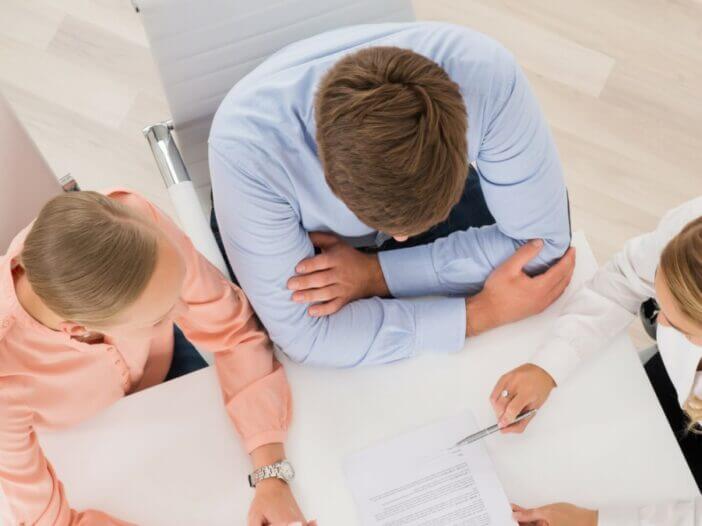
(262, 473)
(266, 472)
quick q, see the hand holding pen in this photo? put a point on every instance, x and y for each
(522, 389)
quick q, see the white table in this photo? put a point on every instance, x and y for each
(169, 456)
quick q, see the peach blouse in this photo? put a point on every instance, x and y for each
(50, 380)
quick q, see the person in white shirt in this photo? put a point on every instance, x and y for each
(665, 265)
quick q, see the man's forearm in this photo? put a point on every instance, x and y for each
(479, 315)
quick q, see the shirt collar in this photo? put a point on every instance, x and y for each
(12, 310)
(8, 295)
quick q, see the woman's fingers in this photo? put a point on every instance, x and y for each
(527, 387)
(499, 401)
(256, 518)
(517, 513)
(528, 515)
(514, 409)
(499, 387)
(519, 427)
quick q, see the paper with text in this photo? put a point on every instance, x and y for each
(418, 479)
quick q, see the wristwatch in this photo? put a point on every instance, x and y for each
(282, 470)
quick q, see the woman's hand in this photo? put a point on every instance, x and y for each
(555, 515)
(527, 387)
(275, 505)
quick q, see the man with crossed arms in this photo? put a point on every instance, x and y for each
(416, 160)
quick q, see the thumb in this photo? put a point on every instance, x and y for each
(524, 255)
(256, 519)
(523, 515)
(323, 239)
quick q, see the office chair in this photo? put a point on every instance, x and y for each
(202, 48)
(26, 181)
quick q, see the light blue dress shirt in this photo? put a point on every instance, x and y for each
(270, 191)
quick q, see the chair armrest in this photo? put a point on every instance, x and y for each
(166, 154)
(182, 192)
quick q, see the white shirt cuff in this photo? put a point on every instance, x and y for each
(618, 517)
(558, 358)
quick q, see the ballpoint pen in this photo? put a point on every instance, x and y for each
(492, 429)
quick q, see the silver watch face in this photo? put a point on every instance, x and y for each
(286, 471)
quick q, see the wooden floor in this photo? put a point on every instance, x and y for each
(620, 82)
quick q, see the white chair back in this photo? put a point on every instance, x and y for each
(202, 48)
(26, 181)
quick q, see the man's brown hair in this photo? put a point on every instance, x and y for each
(391, 134)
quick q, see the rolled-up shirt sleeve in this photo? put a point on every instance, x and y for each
(218, 318)
(606, 304)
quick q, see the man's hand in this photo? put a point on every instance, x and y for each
(337, 276)
(527, 387)
(510, 294)
(555, 515)
(274, 504)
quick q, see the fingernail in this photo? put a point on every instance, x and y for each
(300, 268)
(538, 242)
(313, 312)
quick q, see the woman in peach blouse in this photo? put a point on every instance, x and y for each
(90, 294)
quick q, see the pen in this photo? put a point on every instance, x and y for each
(492, 429)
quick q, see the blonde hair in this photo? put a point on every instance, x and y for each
(88, 257)
(681, 263)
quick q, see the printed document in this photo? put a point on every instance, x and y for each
(419, 478)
